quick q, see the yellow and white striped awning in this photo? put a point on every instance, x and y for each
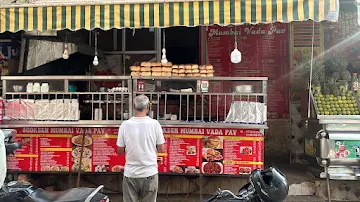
(128, 14)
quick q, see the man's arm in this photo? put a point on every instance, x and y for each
(120, 140)
(161, 148)
(121, 150)
(160, 140)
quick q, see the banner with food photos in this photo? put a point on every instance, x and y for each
(188, 150)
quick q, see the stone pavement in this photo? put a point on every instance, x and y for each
(308, 199)
(304, 198)
(194, 198)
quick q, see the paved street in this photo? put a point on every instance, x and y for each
(308, 199)
(289, 199)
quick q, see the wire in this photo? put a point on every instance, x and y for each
(93, 183)
(311, 68)
(188, 191)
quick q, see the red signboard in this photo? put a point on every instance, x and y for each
(265, 52)
(188, 150)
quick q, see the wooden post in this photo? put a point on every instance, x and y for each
(80, 163)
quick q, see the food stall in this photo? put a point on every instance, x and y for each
(208, 130)
(201, 127)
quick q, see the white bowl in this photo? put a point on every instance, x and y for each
(18, 88)
(168, 116)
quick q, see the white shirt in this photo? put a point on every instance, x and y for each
(140, 136)
(3, 168)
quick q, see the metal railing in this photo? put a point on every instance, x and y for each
(197, 106)
(113, 105)
(167, 106)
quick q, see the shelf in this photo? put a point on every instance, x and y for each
(63, 77)
(204, 78)
(70, 93)
(195, 93)
(117, 123)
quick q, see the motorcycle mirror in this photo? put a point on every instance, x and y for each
(10, 148)
(9, 134)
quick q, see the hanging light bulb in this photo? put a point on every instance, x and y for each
(163, 57)
(96, 60)
(235, 56)
(66, 52)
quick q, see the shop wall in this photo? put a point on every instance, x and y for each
(265, 52)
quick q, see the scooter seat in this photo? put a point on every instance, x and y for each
(71, 195)
(41, 195)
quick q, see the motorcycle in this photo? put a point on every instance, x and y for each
(26, 192)
(268, 185)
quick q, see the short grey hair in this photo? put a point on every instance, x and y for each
(141, 102)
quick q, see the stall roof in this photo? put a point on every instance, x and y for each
(59, 15)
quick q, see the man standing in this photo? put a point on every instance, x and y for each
(140, 138)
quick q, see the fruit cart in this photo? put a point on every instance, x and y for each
(332, 142)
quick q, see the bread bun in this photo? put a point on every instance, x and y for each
(211, 152)
(203, 71)
(196, 75)
(209, 75)
(188, 71)
(145, 74)
(175, 74)
(210, 71)
(145, 69)
(181, 66)
(175, 71)
(194, 66)
(203, 67)
(214, 142)
(188, 67)
(156, 69)
(166, 69)
(202, 75)
(175, 67)
(182, 71)
(165, 73)
(146, 64)
(195, 71)
(135, 68)
(157, 64)
(190, 75)
(168, 64)
(209, 67)
(156, 74)
(181, 74)
(135, 74)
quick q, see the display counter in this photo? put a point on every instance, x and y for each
(210, 126)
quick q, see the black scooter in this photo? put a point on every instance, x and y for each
(268, 185)
(246, 194)
(26, 192)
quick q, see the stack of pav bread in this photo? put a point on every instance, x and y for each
(152, 69)
(193, 70)
(206, 71)
(156, 69)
